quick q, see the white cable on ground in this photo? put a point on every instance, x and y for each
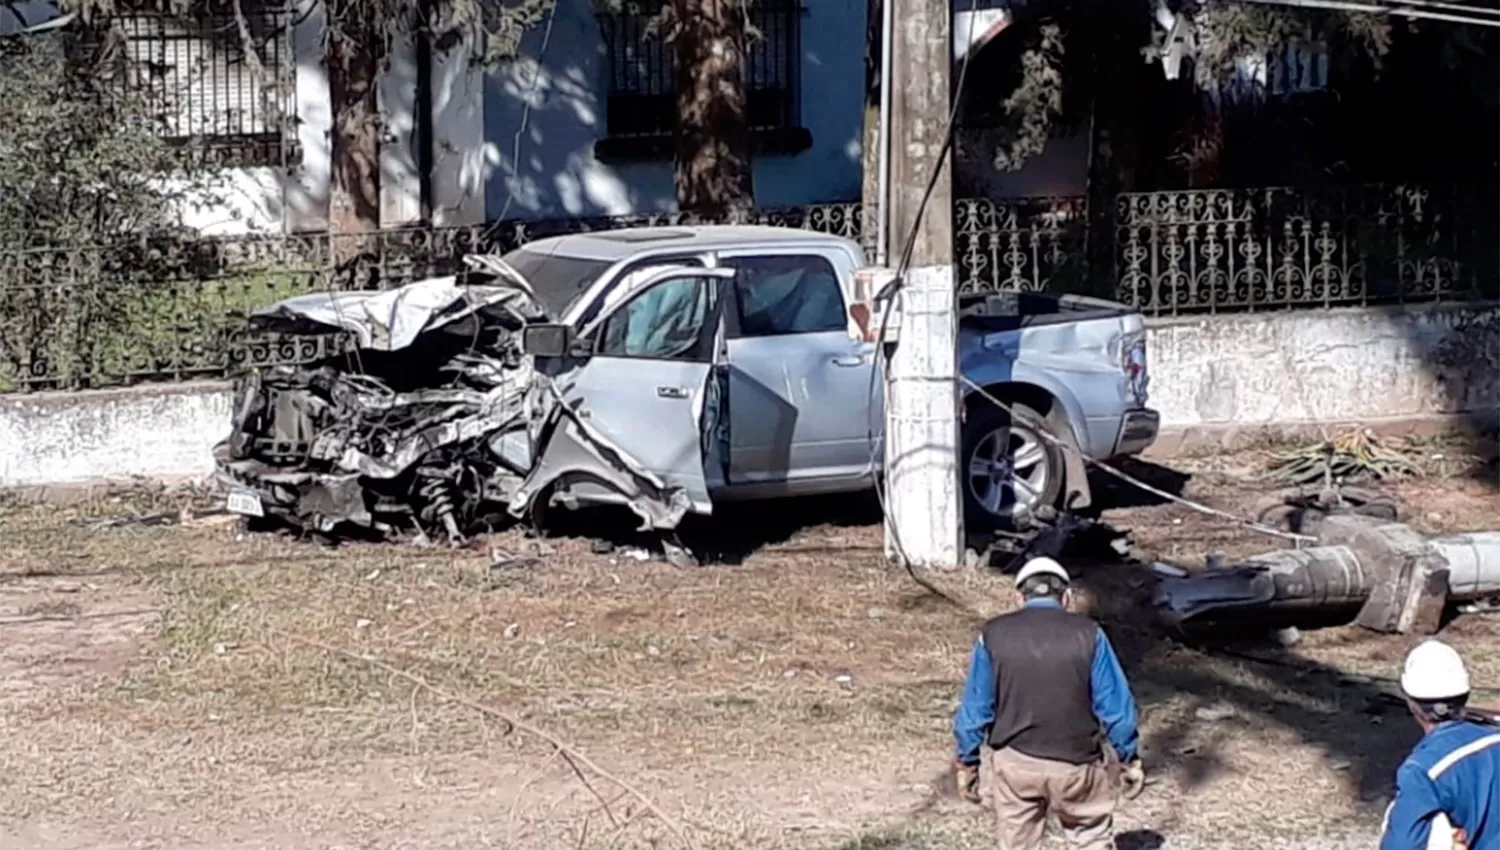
(1136, 482)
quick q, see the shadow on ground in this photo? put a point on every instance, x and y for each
(738, 530)
(1111, 492)
(734, 532)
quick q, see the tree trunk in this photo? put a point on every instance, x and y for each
(870, 210)
(352, 57)
(1115, 103)
(712, 167)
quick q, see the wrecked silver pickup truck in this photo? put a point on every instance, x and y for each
(663, 369)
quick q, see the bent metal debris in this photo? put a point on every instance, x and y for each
(430, 423)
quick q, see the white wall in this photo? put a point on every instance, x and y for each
(1325, 365)
(462, 159)
(160, 432)
(1215, 376)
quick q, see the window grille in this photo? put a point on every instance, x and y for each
(642, 83)
(196, 73)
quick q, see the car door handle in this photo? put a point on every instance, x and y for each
(672, 392)
(851, 360)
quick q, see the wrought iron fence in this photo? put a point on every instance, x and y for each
(1245, 250)
(171, 308)
(1022, 244)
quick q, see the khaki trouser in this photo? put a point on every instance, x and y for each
(1024, 789)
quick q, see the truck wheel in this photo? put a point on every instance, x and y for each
(1007, 468)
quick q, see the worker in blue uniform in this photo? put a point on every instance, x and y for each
(1448, 789)
(1043, 684)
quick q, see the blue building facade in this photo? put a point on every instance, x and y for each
(586, 130)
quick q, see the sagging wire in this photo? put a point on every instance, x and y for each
(515, 145)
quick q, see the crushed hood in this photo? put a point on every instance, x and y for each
(393, 319)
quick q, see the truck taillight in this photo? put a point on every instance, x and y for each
(1133, 364)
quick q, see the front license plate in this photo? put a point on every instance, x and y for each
(245, 503)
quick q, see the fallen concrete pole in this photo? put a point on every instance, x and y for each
(1386, 575)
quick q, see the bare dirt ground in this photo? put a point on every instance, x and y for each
(189, 686)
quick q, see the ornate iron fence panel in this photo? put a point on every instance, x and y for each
(1278, 248)
(1021, 244)
(172, 307)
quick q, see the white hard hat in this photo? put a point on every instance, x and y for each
(1434, 671)
(1043, 566)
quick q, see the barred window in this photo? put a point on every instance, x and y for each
(642, 90)
(212, 80)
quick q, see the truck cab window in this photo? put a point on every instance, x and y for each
(779, 295)
(664, 322)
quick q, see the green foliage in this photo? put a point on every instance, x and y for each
(1222, 33)
(79, 161)
(492, 28)
(1225, 32)
(89, 221)
(1036, 102)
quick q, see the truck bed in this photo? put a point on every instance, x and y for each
(1002, 311)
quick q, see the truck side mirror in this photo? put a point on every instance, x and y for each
(547, 340)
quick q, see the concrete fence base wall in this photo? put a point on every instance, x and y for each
(1220, 379)
(1214, 379)
(163, 432)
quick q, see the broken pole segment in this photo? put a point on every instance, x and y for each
(1397, 580)
(923, 504)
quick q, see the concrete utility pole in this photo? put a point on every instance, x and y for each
(924, 512)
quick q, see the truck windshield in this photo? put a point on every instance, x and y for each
(558, 280)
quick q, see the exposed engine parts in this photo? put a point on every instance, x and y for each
(432, 425)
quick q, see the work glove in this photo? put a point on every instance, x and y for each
(1133, 779)
(967, 776)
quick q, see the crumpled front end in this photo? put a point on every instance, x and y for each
(434, 424)
(321, 448)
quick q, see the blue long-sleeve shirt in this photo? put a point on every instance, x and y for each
(1113, 704)
(1454, 771)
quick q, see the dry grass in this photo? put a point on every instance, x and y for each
(799, 699)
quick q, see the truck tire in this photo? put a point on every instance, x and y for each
(1006, 467)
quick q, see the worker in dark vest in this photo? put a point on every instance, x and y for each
(1448, 789)
(1043, 685)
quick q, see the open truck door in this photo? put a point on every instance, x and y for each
(637, 399)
